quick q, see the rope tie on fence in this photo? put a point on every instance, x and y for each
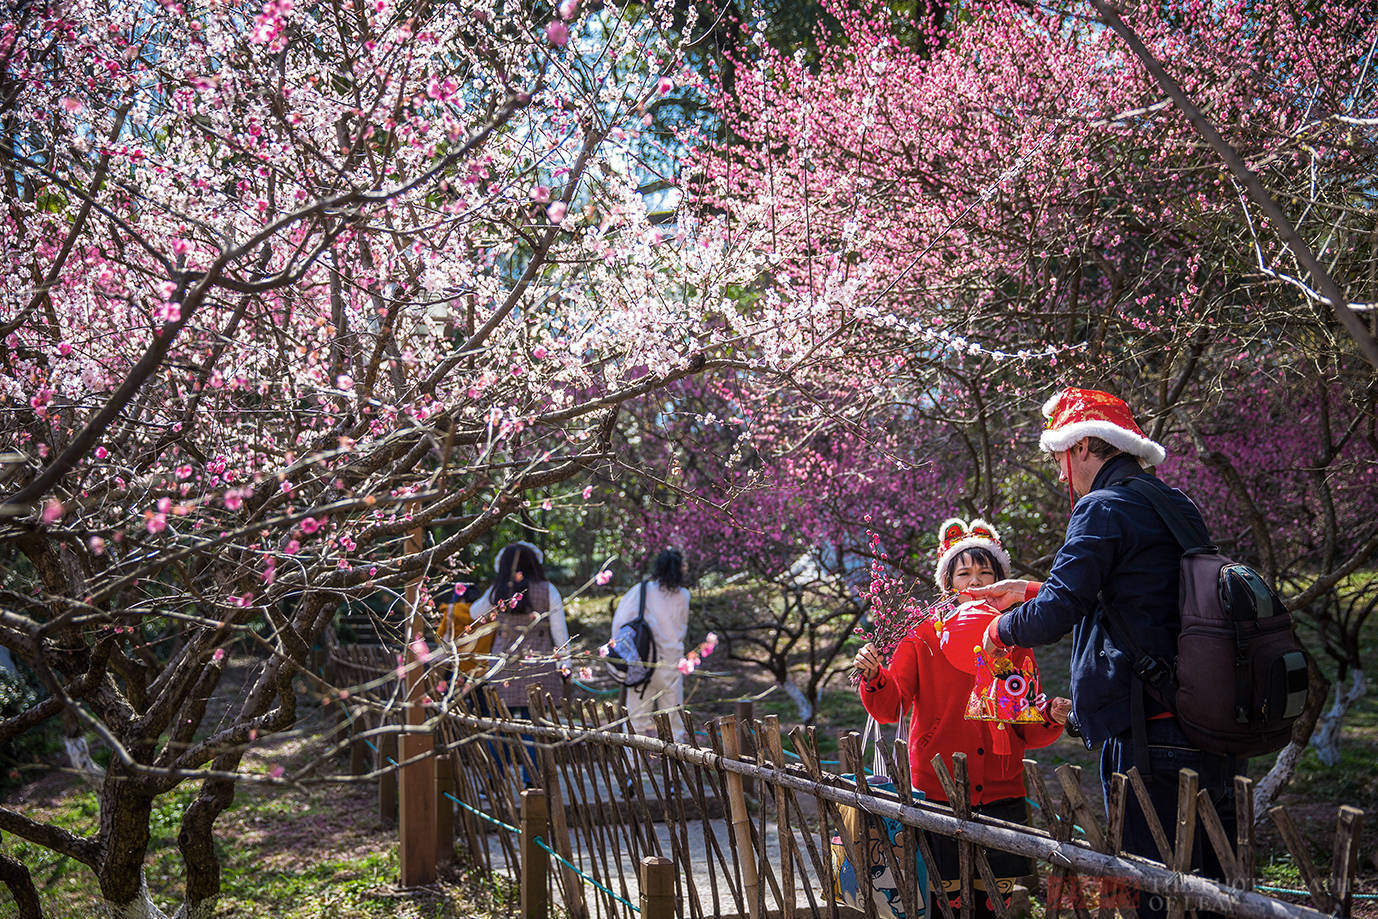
(368, 743)
(593, 690)
(1307, 893)
(542, 843)
(1031, 801)
(374, 748)
(575, 868)
(478, 813)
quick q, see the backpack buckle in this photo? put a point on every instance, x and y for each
(1150, 669)
(1158, 675)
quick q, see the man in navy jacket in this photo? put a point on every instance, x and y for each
(1118, 554)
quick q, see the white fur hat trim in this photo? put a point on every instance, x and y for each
(971, 540)
(1148, 452)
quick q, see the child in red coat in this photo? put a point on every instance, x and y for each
(923, 679)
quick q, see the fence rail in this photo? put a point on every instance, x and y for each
(569, 803)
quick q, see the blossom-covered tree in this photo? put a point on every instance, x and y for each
(1018, 207)
(286, 285)
(1288, 478)
(780, 499)
(1027, 185)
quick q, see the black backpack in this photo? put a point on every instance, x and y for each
(632, 657)
(1240, 678)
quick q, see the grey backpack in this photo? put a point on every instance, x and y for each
(633, 654)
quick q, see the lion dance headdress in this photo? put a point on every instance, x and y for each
(955, 537)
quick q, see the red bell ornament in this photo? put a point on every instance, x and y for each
(1006, 690)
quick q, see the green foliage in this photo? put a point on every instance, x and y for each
(1354, 779)
(18, 693)
(265, 869)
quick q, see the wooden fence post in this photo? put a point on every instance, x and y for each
(775, 751)
(657, 888)
(1345, 864)
(1244, 828)
(416, 794)
(535, 867)
(1188, 782)
(741, 820)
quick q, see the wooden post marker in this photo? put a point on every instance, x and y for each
(741, 820)
(657, 888)
(416, 781)
(535, 868)
(1345, 864)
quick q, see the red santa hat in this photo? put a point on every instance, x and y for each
(956, 537)
(1076, 413)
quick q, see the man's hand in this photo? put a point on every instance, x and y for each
(867, 662)
(1001, 595)
(1059, 709)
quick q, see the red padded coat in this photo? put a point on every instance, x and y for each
(921, 680)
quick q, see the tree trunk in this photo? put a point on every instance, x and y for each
(20, 883)
(801, 701)
(1327, 737)
(125, 812)
(140, 907)
(202, 910)
(196, 840)
(79, 755)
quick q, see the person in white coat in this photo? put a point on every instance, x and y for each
(667, 613)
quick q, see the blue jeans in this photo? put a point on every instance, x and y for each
(1169, 751)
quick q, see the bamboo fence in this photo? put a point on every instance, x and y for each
(746, 822)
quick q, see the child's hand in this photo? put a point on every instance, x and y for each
(867, 662)
(1059, 709)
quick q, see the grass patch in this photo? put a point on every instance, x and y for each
(319, 855)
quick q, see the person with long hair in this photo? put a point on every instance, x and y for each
(531, 642)
(667, 613)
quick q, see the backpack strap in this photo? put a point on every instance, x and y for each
(1152, 675)
(1192, 539)
(1155, 673)
(641, 617)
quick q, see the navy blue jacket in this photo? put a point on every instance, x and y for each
(1118, 546)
